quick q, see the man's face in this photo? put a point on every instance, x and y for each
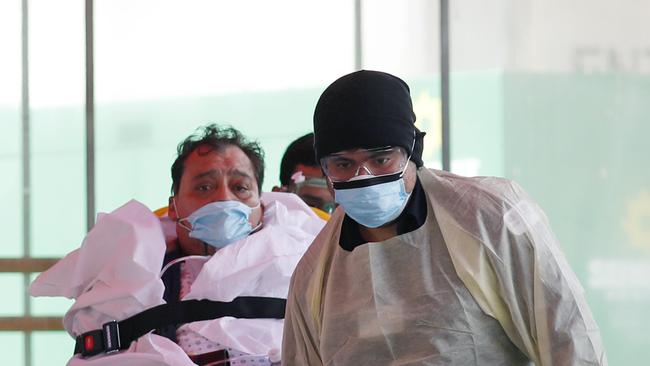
(314, 195)
(209, 176)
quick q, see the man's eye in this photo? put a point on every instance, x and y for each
(382, 161)
(204, 187)
(343, 165)
(241, 189)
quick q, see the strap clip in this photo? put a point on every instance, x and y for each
(111, 333)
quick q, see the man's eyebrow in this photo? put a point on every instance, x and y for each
(239, 173)
(341, 157)
(215, 173)
(212, 173)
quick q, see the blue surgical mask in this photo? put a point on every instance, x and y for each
(220, 223)
(372, 201)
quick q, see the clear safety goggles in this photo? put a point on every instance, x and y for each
(377, 162)
(307, 188)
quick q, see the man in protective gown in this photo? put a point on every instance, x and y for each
(424, 267)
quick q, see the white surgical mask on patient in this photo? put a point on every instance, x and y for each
(220, 223)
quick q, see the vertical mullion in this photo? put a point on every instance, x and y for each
(26, 168)
(358, 40)
(26, 178)
(444, 83)
(90, 117)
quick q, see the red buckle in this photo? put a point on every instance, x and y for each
(89, 342)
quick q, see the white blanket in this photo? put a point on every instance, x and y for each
(115, 274)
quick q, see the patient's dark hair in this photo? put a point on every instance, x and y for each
(217, 137)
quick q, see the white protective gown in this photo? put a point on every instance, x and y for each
(481, 282)
(115, 274)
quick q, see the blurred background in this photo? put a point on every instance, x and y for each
(95, 96)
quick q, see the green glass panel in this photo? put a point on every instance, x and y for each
(581, 154)
(13, 348)
(51, 348)
(57, 126)
(13, 289)
(10, 122)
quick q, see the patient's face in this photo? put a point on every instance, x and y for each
(209, 176)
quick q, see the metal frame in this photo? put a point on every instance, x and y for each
(26, 169)
(90, 116)
(358, 36)
(444, 83)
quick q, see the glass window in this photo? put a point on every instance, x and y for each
(57, 137)
(10, 194)
(10, 138)
(408, 46)
(12, 287)
(554, 98)
(14, 341)
(257, 65)
(51, 348)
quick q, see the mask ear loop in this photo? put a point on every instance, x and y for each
(181, 224)
(181, 259)
(180, 221)
(258, 227)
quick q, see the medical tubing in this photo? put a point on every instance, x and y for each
(182, 259)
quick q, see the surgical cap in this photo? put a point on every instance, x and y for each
(366, 109)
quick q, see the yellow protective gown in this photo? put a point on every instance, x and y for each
(481, 282)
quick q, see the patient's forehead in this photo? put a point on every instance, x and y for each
(225, 156)
(228, 160)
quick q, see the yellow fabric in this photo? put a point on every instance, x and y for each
(320, 213)
(309, 329)
(483, 259)
(474, 269)
(161, 211)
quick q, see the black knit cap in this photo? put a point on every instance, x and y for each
(366, 109)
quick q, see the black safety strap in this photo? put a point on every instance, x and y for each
(115, 336)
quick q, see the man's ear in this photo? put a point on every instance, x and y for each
(171, 209)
